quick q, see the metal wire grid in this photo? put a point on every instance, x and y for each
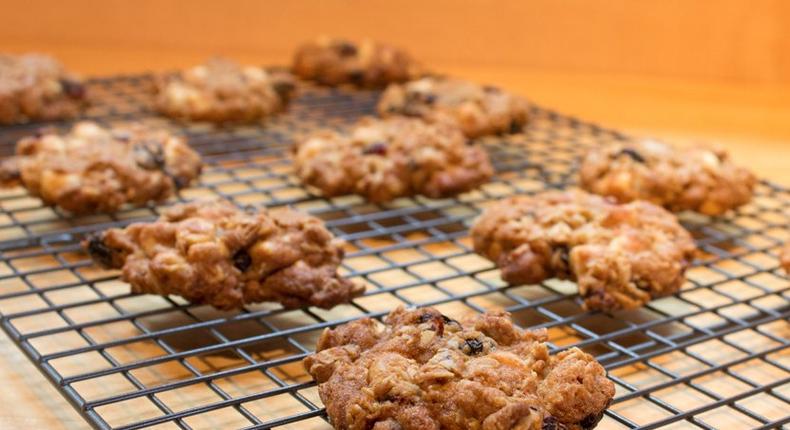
(713, 356)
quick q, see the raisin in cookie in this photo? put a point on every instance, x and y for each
(36, 87)
(620, 255)
(480, 110)
(218, 254)
(385, 159)
(222, 91)
(425, 371)
(367, 64)
(94, 169)
(698, 178)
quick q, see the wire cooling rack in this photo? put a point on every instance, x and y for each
(713, 356)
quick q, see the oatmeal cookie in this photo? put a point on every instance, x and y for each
(423, 371)
(389, 158)
(699, 178)
(784, 257)
(367, 64)
(36, 87)
(480, 110)
(94, 169)
(222, 91)
(620, 255)
(217, 254)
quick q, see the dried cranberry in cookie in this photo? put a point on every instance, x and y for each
(697, 178)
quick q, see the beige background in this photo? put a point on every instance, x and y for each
(733, 40)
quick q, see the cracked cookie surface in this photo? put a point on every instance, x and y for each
(215, 253)
(620, 255)
(223, 91)
(95, 169)
(421, 370)
(368, 64)
(479, 109)
(389, 158)
(698, 178)
(35, 87)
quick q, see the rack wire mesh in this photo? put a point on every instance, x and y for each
(715, 355)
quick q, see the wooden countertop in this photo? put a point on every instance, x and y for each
(752, 121)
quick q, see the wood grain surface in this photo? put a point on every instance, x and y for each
(686, 71)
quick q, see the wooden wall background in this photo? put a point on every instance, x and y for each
(730, 40)
(685, 70)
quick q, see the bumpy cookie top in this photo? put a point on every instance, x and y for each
(331, 61)
(422, 370)
(479, 109)
(218, 254)
(36, 87)
(384, 159)
(222, 91)
(621, 255)
(698, 178)
(95, 169)
(784, 257)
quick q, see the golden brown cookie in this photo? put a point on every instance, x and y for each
(424, 371)
(218, 254)
(620, 255)
(223, 91)
(389, 158)
(480, 110)
(368, 64)
(698, 178)
(784, 257)
(36, 87)
(94, 169)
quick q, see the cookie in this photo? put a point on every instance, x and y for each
(784, 257)
(389, 158)
(94, 169)
(480, 110)
(620, 255)
(217, 254)
(424, 371)
(700, 179)
(366, 64)
(223, 91)
(35, 87)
